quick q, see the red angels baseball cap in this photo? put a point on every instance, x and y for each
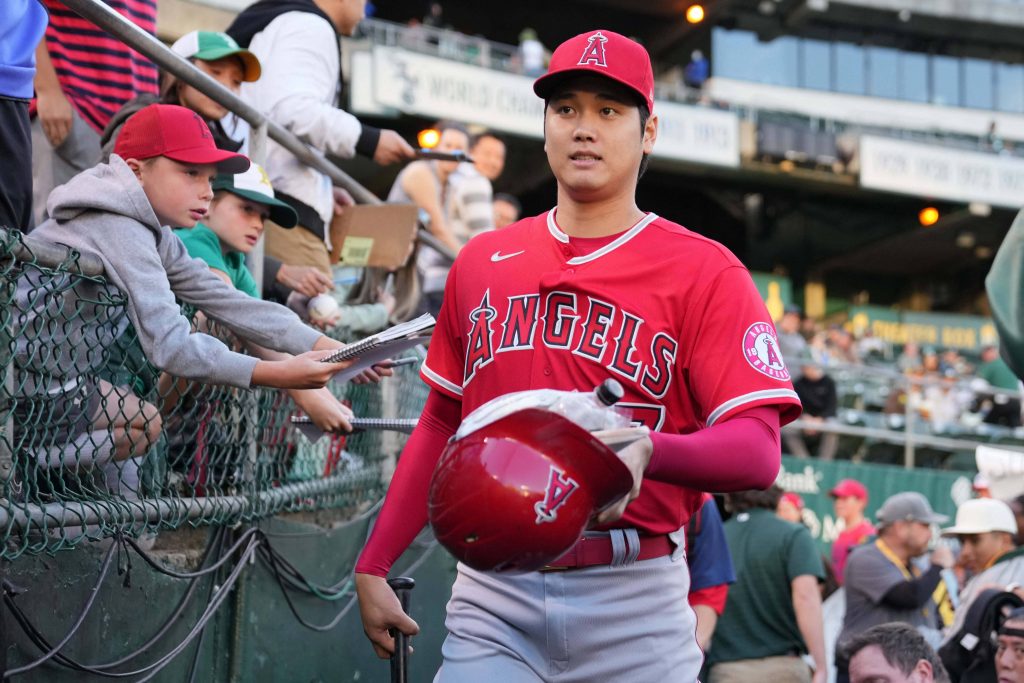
(176, 133)
(849, 487)
(602, 52)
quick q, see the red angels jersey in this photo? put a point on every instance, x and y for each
(673, 316)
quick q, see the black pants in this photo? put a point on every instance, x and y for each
(15, 165)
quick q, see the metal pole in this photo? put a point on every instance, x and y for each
(258, 153)
(73, 513)
(910, 414)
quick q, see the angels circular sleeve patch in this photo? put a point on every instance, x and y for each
(761, 349)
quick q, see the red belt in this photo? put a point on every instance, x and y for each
(597, 550)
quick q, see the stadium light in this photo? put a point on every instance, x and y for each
(428, 138)
(928, 216)
(695, 14)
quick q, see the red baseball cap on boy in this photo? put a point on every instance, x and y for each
(602, 52)
(176, 133)
(849, 487)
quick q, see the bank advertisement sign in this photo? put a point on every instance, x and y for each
(813, 479)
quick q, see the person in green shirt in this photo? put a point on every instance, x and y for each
(773, 612)
(229, 231)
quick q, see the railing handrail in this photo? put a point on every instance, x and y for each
(50, 255)
(138, 39)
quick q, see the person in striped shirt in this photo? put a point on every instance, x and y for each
(83, 77)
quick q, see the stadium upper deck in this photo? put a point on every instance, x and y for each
(823, 130)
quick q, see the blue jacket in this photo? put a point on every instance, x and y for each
(22, 23)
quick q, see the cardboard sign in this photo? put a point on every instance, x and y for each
(379, 235)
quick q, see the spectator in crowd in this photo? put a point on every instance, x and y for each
(469, 209)
(219, 57)
(791, 507)
(120, 211)
(711, 570)
(488, 153)
(425, 184)
(466, 201)
(871, 347)
(1017, 505)
(22, 23)
(1005, 409)
(981, 485)
(531, 53)
(985, 528)
(297, 43)
(1006, 295)
(849, 500)
(507, 210)
(817, 393)
(83, 76)
(910, 358)
(241, 203)
(1010, 648)
(773, 612)
(435, 16)
(398, 292)
(841, 346)
(697, 70)
(791, 342)
(883, 584)
(893, 653)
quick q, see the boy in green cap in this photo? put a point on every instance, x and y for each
(241, 203)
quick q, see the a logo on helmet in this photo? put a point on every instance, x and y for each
(594, 52)
(557, 492)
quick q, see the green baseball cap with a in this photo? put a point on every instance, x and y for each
(254, 185)
(210, 46)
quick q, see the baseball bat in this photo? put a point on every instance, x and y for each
(402, 585)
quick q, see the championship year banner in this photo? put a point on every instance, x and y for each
(439, 88)
(941, 172)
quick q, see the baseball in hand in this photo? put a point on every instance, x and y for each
(322, 307)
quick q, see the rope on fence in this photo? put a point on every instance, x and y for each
(101, 443)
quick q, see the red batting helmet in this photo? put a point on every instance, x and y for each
(518, 493)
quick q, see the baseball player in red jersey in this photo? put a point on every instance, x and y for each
(592, 289)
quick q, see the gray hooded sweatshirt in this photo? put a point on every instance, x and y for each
(67, 322)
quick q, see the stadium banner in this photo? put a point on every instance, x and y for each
(941, 330)
(941, 172)
(813, 479)
(433, 87)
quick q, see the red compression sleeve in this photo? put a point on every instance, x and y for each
(742, 453)
(404, 512)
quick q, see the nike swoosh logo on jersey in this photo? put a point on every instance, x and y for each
(498, 256)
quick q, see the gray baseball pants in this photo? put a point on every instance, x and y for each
(601, 624)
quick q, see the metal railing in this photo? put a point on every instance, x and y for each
(909, 428)
(262, 127)
(203, 454)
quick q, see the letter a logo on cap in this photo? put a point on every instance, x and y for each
(594, 52)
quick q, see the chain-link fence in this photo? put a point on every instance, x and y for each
(97, 441)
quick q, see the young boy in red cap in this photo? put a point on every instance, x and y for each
(593, 289)
(122, 211)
